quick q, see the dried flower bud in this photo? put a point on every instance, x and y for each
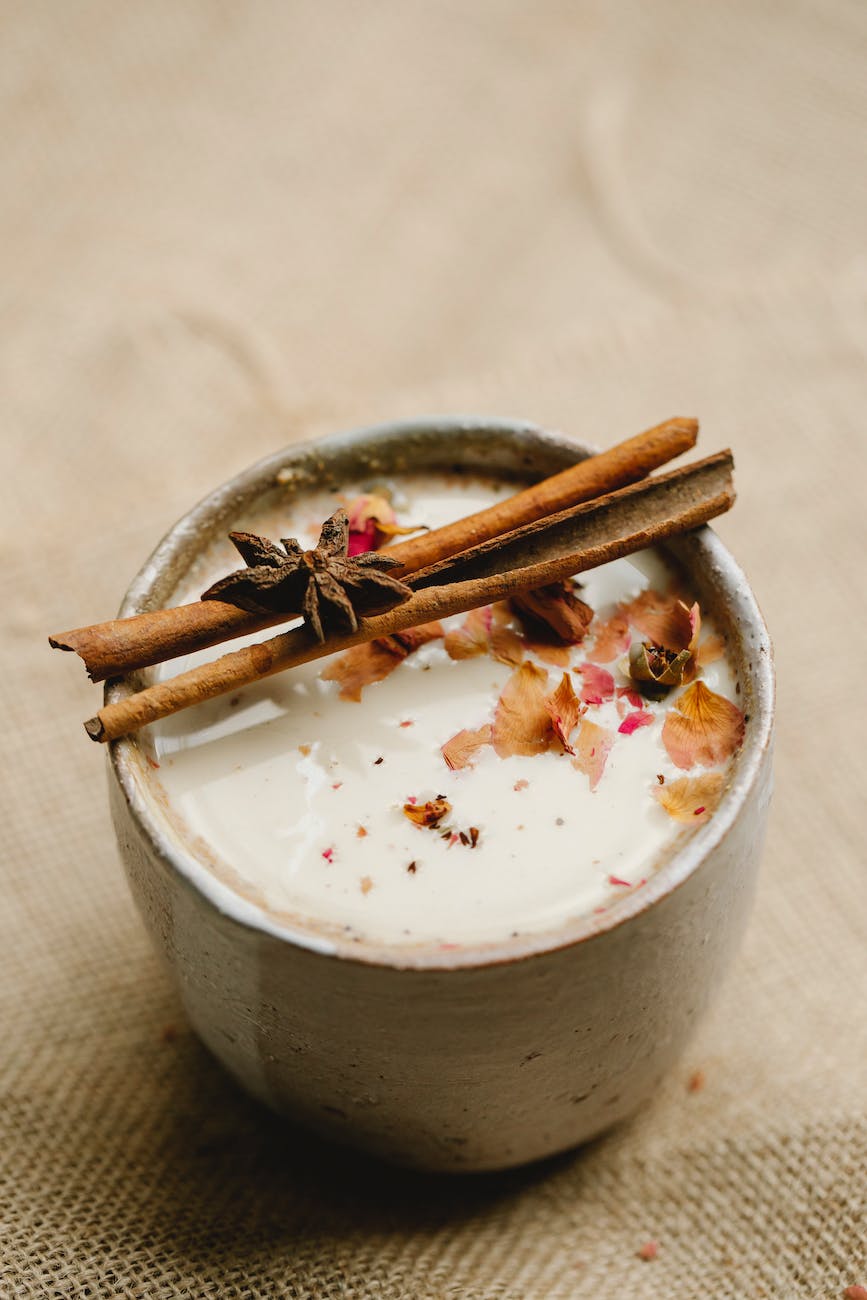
(372, 522)
(656, 669)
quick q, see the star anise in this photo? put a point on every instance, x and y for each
(325, 585)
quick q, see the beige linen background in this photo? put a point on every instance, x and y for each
(227, 226)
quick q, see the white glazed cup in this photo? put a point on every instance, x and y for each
(482, 1057)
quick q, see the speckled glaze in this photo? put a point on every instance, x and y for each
(478, 1058)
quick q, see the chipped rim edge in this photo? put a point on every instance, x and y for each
(167, 843)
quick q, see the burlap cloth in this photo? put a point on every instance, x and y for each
(227, 226)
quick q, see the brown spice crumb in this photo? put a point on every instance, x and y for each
(361, 832)
(412, 868)
(169, 1034)
(304, 749)
(428, 814)
(366, 884)
(474, 836)
(660, 778)
(649, 1250)
(696, 1082)
(463, 837)
(377, 761)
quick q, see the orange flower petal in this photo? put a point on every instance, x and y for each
(484, 633)
(591, 751)
(691, 799)
(522, 724)
(462, 748)
(364, 664)
(375, 660)
(664, 620)
(472, 637)
(709, 650)
(611, 639)
(702, 728)
(557, 656)
(565, 709)
(507, 646)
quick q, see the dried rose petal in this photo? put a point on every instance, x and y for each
(374, 660)
(472, 637)
(461, 749)
(557, 656)
(598, 684)
(691, 799)
(591, 750)
(709, 650)
(506, 645)
(706, 728)
(665, 620)
(611, 639)
(555, 610)
(631, 695)
(428, 814)
(522, 724)
(565, 709)
(413, 637)
(633, 721)
(372, 522)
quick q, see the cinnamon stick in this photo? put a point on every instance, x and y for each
(616, 525)
(120, 645)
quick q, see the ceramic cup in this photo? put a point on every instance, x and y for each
(482, 1057)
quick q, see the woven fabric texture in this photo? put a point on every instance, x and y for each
(226, 227)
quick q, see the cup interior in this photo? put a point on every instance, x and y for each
(516, 451)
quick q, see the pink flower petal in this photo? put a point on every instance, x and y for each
(632, 721)
(598, 685)
(592, 748)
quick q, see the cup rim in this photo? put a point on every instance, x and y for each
(134, 777)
